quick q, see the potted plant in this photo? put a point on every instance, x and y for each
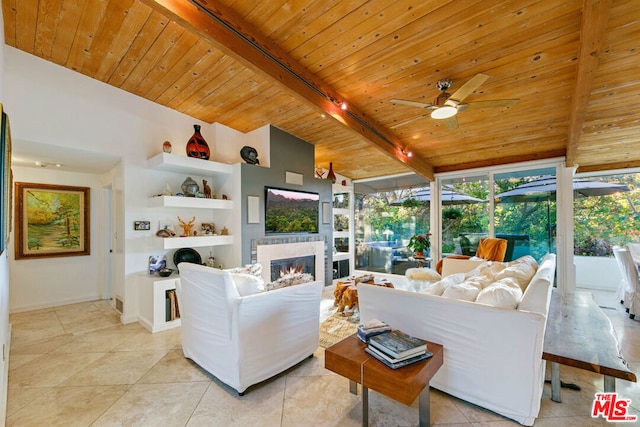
(420, 243)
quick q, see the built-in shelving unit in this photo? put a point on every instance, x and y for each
(343, 229)
(167, 162)
(195, 241)
(153, 291)
(180, 164)
(154, 310)
(188, 202)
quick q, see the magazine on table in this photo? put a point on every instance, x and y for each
(400, 364)
(391, 359)
(397, 344)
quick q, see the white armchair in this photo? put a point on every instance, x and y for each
(243, 340)
(629, 289)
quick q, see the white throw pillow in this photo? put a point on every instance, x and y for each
(466, 291)
(438, 287)
(503, 293)
(452, 266)
(247, 284)
(521, 272)
(482, 279)
(426, 274)
(527, 259)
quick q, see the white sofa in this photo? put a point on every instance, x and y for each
(243, 340)
(492, 355)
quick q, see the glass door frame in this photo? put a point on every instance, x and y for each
(564, 218)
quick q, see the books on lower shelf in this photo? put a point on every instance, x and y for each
(397, 344)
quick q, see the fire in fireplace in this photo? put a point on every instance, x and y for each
(304, 264)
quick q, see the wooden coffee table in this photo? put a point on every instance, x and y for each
(348, 359)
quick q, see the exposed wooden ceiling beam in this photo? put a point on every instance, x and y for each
(228, 32)
(595, 14)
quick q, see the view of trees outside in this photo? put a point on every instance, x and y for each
(600, 222)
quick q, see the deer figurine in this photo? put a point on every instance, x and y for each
(186, 227)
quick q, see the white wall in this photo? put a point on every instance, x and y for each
(46, 282)
(600, 273)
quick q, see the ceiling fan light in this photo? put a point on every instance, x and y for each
(444, 112)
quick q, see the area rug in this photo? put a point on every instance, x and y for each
(338, 326)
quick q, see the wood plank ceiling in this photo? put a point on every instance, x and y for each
(573, 66)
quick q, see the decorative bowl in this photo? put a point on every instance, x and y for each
(165, 272)
(187, 255)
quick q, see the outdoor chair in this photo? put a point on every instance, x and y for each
(629, 288)
(489, 248)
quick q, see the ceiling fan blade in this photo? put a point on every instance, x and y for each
(413, 103)
(451, 123)
(469, 87)
(406, 122)
(491, 103)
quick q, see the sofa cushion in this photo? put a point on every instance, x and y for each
(454, 265)
(528, 259)
(521, 272)
(426, 274)
(247, 284)
(503, 293)
(466, 291)
(438, 287)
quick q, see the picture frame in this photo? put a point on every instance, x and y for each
(141, 225)
(6, 195)
(51, 220)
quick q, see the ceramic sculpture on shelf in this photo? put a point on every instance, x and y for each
(187, 226)
(190, 187)
(331, 176)
(197, 146)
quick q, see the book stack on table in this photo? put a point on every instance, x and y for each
(397, 349)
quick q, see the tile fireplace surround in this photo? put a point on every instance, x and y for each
(265, 253)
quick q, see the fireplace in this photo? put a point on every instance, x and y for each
(287, 253)
(303, 264)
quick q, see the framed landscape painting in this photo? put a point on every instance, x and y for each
(51, 220)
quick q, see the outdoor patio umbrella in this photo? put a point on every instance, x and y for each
(449, 197)
(544, 189)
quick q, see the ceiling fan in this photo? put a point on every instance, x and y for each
(446, 106)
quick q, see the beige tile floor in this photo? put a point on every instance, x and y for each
(76, 365)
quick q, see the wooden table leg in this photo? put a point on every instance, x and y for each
(424, 407)
(555, 382)
(365, 406)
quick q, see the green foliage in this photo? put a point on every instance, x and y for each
(599, 222)
(286, 219)
(419, 242)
